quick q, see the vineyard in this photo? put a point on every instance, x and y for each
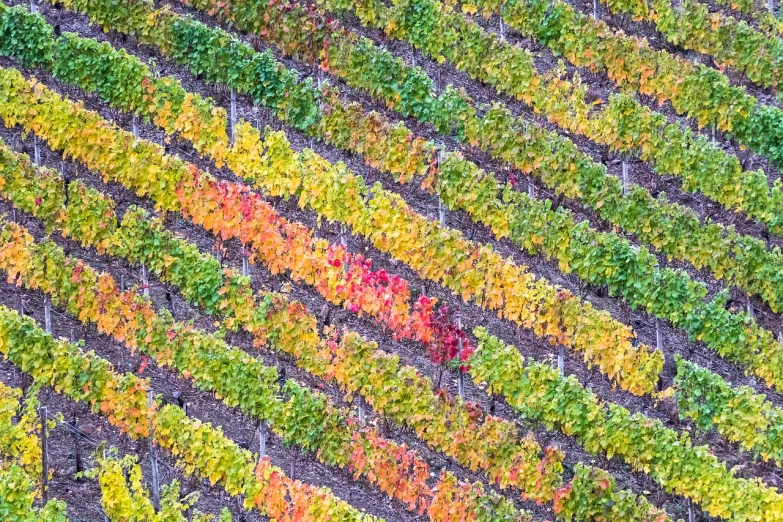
(402, 260)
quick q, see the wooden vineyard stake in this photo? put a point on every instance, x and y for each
(461, 375)
(47, 314)
(77, 450)
(344, 243)
(153, 460)
(105, 516)
(262, 441)
(626, 182)
(343, 236)
(145, 282)
(37, 151)
(233, 115)
(362, 413)
(441, 209)
(561, 360)
(44, 458)
(66, 182)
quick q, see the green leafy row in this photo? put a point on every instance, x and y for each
(538, 392)
(758, 10)
(18, 498)
(739, 414)
(731, 42)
